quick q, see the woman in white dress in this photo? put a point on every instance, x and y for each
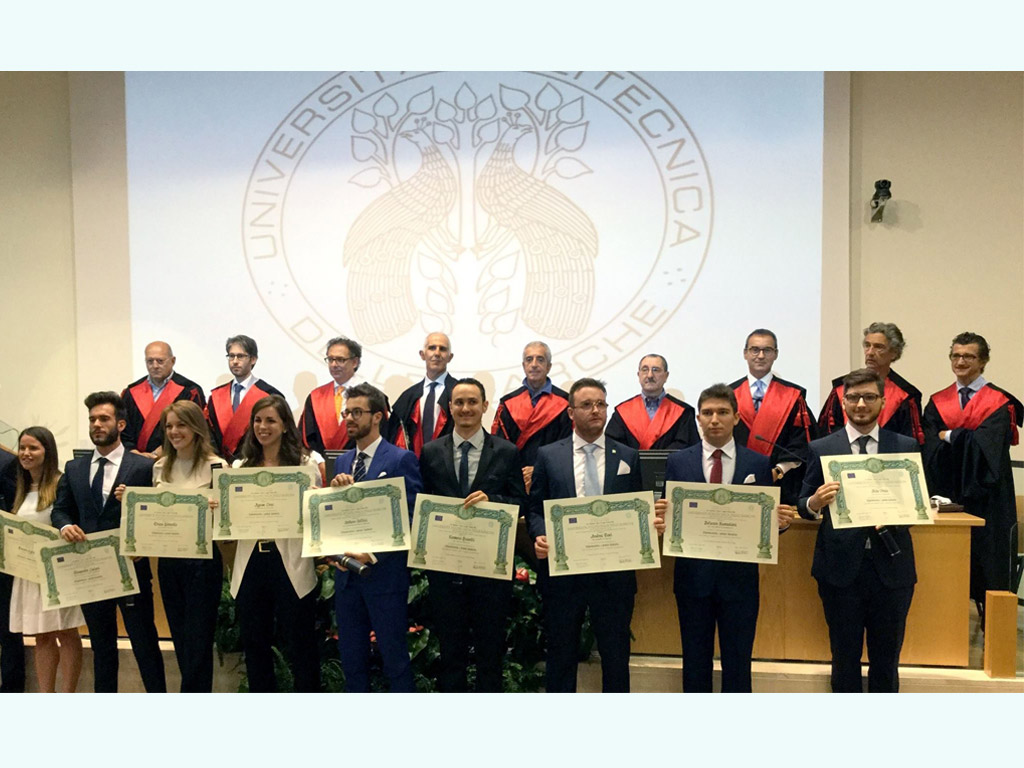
(58, 642)
(271, 582)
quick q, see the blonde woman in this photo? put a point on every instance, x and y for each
(58, 643)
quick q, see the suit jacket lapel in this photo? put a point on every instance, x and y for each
(611, 465)
(448, 469)
(81, 477)
(486, 456)
(886, 441)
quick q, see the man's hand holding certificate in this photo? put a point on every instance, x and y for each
(75, 573)
(880, 489)
(476, 540)
(369, 516)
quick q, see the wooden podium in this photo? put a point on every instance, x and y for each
(791, 625)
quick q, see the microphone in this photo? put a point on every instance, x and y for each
(888, 540)
(781, 448)
(351, 565)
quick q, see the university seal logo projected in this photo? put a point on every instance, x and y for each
(575, 207)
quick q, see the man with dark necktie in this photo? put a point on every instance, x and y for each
(422, 412)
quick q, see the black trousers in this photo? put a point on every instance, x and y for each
(12, 649)
(737, 623)
(137, 613)
(265, 597)
(610, 598)
(470, 610)
(191, 591)
(866, 607)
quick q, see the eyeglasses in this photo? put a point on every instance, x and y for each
(968, 358)
(239, 356)
(653, 370)
(869, 399)
(600, 405)
(156, 360)
(338, 360)
(756, 351)
(355, 413)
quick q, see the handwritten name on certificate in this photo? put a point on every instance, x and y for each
(75, 573)
(596, 534)
(166, 522)
(261, 502)
(878, 489)
(722, 522)
(472, 541)
(371, 516)
(18, 540)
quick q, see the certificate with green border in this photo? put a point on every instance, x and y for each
(722, 522)
(261, 502)
(166, 522)
(596, 534)
(878, 489)
(371, 516)
(472, 541)
(75, 573)
(18, 540)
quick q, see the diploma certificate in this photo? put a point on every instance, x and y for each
(595, 534)
(722, 522)
(74, 573)
(878, 489)
(261, 502)
(473, 541)
(166, 522)
(371, 516)
(18, 540)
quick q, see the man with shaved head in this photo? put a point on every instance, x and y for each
(146, 399)
(422, 413)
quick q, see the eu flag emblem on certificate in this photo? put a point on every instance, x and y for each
(438, 518)
(143, 507)
(328, 507)
(572, 521)
(693, 504)
(851, 475)
(238, 489)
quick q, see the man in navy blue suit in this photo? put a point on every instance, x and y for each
(865, 576)
(717, 592)
(377, 601)
(560, 472)
(86, 504)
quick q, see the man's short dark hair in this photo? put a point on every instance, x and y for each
(580, 384)
(378, 403)
(354, 347)
(718, 392)
(108, 398)
(863, 376)
(473, 382)
(762, 332)
(664, 362)
(970, 337)
(247, 343)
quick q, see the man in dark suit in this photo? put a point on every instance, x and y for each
(378, 600)
(561, 471)
(865, 575)
(86, 504)
(472, 465)
(12, 649)
(710, 592)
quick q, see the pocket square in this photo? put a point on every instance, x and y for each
(623, 468)
(382, 474)
(750, 479)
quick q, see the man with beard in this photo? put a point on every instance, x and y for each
(86, 504)
(653, 419)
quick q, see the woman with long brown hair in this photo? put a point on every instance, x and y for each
(58, 642)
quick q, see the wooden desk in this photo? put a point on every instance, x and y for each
(791, 624)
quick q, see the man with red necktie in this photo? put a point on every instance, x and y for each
(653, 419)
(969, 427)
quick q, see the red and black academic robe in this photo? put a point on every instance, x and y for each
(319, 426)
(974, 470)
(531, 426)
(902, 411)
(673, 426)
(143, 432)
(784, 422)
(226, 427)
(404, 425)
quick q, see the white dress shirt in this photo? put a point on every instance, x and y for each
(853, 436)
(975, 386)
(109, 470)
(246, 383)
(767, 379)
(728, 460)
(579, 459)
(369, 450)
(477, 441)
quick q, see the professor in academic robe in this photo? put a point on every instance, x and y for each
(321, 425)
(654, 419)
(422, 412)
(589, 463)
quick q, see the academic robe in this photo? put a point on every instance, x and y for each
(974, 470)
(226, 427)
(673, 426)
(532, 426)
(319, 426)
(902, 411)
(784, 421)
(143, 432)
(403, 426)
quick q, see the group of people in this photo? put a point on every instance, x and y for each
(544, 443)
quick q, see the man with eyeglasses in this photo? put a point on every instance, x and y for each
(865, 583)
(422, 412)
(146, 399)
(589, 463)
(322, 424)
(774, 419)
(230, 404)
(969, 427)
(883, 345)
(654, 419)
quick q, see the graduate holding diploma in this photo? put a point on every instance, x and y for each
(720, 593)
